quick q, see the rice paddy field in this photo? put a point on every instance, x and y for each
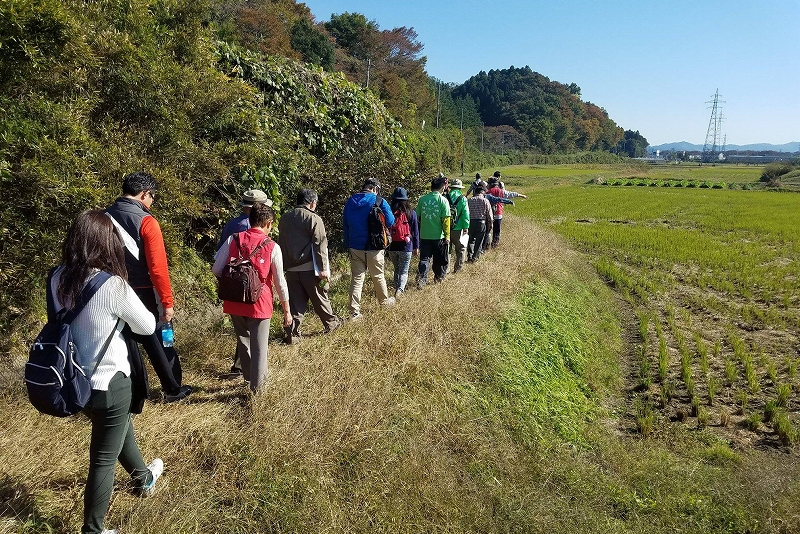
(710, 277)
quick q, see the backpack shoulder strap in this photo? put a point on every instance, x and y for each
(238, 245)
(51, 302)
(104, 349)
(266, 240)
(86, 295)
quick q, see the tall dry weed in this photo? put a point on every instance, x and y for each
(369, 428)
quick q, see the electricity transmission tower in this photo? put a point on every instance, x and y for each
(712, 144)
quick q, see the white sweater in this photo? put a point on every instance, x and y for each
(114, 300)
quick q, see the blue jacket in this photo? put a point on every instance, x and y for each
(354, 218)
(234, 226)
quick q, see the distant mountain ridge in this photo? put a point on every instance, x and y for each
(756, 147)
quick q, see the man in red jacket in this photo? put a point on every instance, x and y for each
(146, 261)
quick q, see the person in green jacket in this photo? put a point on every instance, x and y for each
(433, 211)
(459, 223)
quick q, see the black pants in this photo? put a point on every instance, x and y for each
(436, 250)
(496, 232)
(477, 234)
(164, 359)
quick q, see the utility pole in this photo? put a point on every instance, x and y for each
(463, 145)
(481, 136)
(438, 98)
(369, 64)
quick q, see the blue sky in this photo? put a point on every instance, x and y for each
(652, 66)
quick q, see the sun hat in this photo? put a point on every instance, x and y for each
(399, 194)
(251, 196)
(456, 183)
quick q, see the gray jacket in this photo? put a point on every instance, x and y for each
(303, 241)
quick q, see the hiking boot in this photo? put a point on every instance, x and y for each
(182, 393)
(233, 374)
(156, 467)
(355, 316)
(333, 327)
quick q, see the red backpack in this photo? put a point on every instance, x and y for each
(401, 229)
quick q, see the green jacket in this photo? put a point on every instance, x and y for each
(460, 217)
(433, 211)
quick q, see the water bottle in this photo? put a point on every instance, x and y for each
(167, 334)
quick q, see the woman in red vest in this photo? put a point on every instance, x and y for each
(251, 321)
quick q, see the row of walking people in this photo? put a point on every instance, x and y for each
(443, 219)
(126, 241)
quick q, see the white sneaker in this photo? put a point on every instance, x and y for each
(355, 316)
(156, 467)
(389, 302)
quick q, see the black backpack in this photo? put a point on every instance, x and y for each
(56, 384)
(240, 281)
(377, 232)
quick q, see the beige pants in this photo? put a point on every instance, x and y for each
(362, 261)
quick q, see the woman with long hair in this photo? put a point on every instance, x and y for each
(92, 245)
(405, 239)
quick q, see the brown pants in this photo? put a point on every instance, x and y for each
(304, 286)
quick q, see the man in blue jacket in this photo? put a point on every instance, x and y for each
(365, 256)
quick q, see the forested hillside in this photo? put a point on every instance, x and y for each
(216, 96)
(548, 116)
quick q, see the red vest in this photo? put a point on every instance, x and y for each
(496, 191)
(262, 309)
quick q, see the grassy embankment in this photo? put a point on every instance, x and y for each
(486, 404)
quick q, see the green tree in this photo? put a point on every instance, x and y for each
(313, 45)
(633, 144)
(353, 33)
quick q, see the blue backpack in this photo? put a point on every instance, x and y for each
(57, 385)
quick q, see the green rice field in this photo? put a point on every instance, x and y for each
(711, 279)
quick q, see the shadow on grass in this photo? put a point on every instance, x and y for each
(18, 504)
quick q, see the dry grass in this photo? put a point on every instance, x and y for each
(426, 417)
(371, 427)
